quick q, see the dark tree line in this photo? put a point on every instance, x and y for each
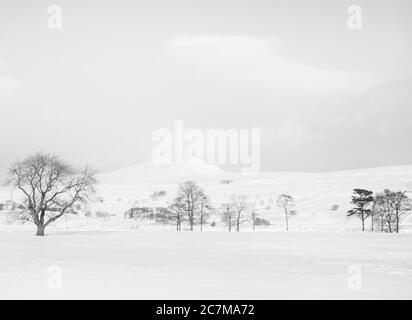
(384, 209)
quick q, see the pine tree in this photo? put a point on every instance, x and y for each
(361, 198)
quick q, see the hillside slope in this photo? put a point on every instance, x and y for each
(314, 193)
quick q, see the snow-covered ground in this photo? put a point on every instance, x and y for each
(121, 258)
(314, 193)
(210, 265)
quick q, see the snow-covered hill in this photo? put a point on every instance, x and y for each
(315, 193)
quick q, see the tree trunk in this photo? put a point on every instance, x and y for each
(40, 230)
(201, 222)
(287, 222)
(363, 221)
(201, 218)
(373, 213)
(397, 222)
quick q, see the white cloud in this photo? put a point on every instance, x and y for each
(257, 62)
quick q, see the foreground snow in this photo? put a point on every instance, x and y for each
(209, 265)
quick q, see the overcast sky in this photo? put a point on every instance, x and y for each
(325, 97)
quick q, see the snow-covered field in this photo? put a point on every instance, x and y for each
(314, 193)
(324, 255)
(209, 265)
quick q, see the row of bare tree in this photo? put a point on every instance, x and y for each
(193, 205)
(384, 209)
(51, 188)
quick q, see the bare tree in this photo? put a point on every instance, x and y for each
(228, 215)
(240, 205)
(375, 206)
(253, 214)
(286, 202)
(254, 217)
(393, 204)
(401, 206)
(192, 196)
(176, 211)
(379, 210)
(50, 187)
(205, 209)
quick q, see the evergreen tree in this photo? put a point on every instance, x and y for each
(361, 198)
